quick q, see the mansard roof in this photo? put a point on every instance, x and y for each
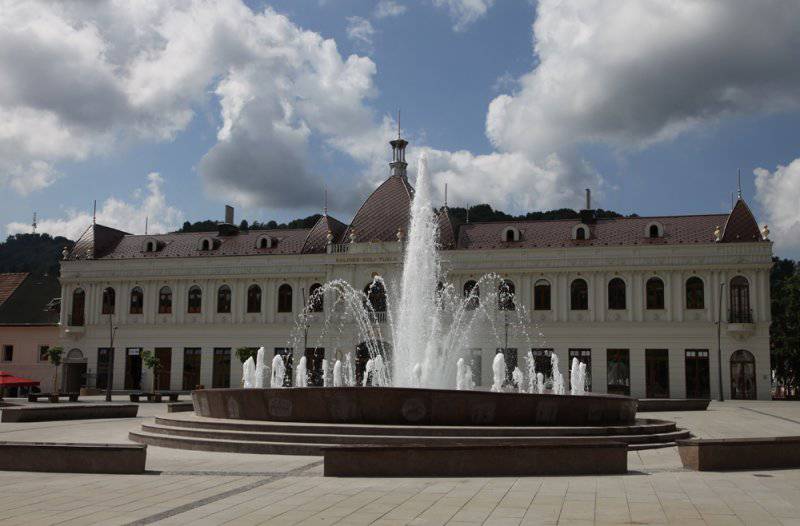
(741, 225)
(96, 242)
(629, 231)
(317, 239)
(383, 213)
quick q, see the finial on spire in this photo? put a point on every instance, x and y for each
(325, 205)
(398, 165)
(398, 122)
(445, 195)
(146, 221)
(34, 222)
(739, 191)
(94, 212)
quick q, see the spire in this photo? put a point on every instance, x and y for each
(398, 165)
(34, 222)
(739, 189)
(94, 213)
(325, 206)
(445, 195)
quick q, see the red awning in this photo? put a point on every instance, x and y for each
(9, 380)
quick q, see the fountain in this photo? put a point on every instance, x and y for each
(407, 374)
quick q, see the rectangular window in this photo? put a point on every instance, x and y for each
(8, 353)
(476, 362)
(583, 356)
(697, 374)
(43, 357)
(191, 368)
(618, 371)
(510, 357)
(221, 371)
(656, 373)
(288, 359)
(542, 361)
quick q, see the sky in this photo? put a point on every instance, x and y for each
(168, 110)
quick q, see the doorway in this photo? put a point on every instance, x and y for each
(697, 373)
(221, 370)
(74, 371)
(133, 368)
(657, 373)
(164, 371)
(314, 357)
(191, 368)
(743, 375)
(618, 372)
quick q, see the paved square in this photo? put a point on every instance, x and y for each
(189, 487)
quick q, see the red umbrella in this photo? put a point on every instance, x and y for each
(9, 380)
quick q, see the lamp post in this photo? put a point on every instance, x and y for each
(110, 366)
(719, 341)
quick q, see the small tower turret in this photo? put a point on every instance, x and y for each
(398, 165)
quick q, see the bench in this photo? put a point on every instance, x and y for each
(158, 396)
(534, 458)
(34, 397)
(73, 458)
(673, 404)
(740, 453)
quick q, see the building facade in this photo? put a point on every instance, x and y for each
(29, 326)
(637, 298)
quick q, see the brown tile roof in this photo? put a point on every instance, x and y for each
(35, 301)
(386, 210)
(285, 241)
(9, 283)
(97, 240)
(741, 225)
(317, 239)
(605, 232)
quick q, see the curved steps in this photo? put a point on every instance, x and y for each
(207, 434)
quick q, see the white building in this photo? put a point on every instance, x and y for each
(637, 298)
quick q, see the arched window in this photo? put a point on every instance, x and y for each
(206, 244)
(541, 295)
(694, 293)
(150, 246)
(376, 296)
(264, 242)
(285, 298)
(137, 301)
(616, 294)
(78, 303)
(740, 301)
(195, 300)
(655, 293)
(509, 235)
(653, 231)
(472, 295)
(165, 300)
(224, 299)
(253, 299)
(109, 301)
(316, 300)
(579, 295)
(505, 295)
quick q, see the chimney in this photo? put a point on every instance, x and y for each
(227, 228)
(588, 214)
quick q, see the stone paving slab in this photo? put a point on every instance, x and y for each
(199, 488)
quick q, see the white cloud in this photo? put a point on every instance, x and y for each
(360, 31)
(778, 193)
(464, 12)
(125, 215)
(634, 72)
(389, 8)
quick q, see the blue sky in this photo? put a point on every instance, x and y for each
(518, 104)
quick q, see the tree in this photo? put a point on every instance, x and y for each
(785, 328)
(151, 361)
(54, 357)
(243, 353)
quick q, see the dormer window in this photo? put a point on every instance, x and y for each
(150, 245)
(510, 235)
(580, 232)
(654, 230)
(265, 242)
(206, 244)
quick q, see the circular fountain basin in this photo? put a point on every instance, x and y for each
(411, 406)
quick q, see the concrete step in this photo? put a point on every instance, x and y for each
(642, 426)
(227, 446)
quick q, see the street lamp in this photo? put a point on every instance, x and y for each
(110, 366)
(719, 341)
